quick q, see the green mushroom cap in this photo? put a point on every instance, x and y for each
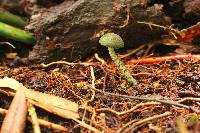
(112, 40)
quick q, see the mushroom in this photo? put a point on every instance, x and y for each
(114, 41)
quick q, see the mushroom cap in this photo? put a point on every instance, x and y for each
(112, 40)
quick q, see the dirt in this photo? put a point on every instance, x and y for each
(173, 80)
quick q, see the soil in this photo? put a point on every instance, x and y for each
(175, 79)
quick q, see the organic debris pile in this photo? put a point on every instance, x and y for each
(104, 101)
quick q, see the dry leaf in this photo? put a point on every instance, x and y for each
(181, 126)
(183, 36)
(52, 100)
(54, 104)
(11, 55)
(58, 111)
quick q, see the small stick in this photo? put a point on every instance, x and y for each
(99, 59)
(132, 51)
(7, 43)
(33, 118)
(52, 125)
(154, 60)
(93, 83)
(83, 124)
(169, 28)
(65, 63)
(189, 98)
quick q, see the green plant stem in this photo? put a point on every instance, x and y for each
(11, 19)
(122, 67)
(16, 34)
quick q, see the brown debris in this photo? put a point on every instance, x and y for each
(74, 80)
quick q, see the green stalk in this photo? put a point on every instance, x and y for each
(16, 34)
(122, 67)
(11, 19)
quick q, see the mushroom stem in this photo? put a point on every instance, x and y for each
(125, 72)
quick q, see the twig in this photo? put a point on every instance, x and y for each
(132, 51)
(104, 82)
(99, 59)
(52, 125)
(87, 126)
(188, 98)
(65, 63)
(3, 111)
(103, 119)
(169, 28)
(7, 43)
(168, 102)
(93, 93)
(33, 118)
(127, 19)
(156, 129)
(152, 60)
(144, 121)
(92, 97)
(127, 111)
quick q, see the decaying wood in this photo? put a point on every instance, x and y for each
(15, 119)
(71, 30)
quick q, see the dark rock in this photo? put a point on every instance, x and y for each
(71, 30)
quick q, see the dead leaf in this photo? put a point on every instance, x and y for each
(56, 110)
(11, 55)
(53, 104)
(52, 100)
(184, 36)
(181, 126)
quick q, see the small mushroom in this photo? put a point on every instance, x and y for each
(114, 41)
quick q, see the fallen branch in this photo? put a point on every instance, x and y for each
(157, 60)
